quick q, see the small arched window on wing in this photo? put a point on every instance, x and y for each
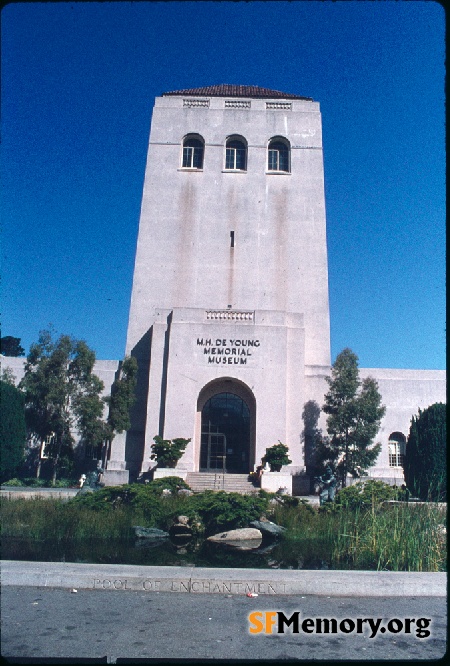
(397, 448)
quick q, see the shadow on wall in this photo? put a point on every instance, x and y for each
(162, 402)
(135, 437)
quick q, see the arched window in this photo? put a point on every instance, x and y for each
(397, 447)
(278, 155)
(193, 150)
(236, 154)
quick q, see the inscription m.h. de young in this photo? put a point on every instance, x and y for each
(227, 351)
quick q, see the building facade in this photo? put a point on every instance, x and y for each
(229, 317)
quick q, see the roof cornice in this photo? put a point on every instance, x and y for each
(227, 90)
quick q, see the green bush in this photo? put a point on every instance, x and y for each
(222, 511)
(298, 517)
(40, 483)
(277, 456)
(13, 482)
(425, 463)
(64, 483)
(167, 452)
(365, 495)
(12, 430)
(145, 500)
(36, 483)
(172, 483)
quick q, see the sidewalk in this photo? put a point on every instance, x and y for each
(196, 580)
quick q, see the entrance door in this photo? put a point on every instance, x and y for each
(225, 441)
(215, 444)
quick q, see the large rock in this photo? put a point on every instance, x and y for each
(267, 527)
(243, 534)
(149, 532)
(244, 544)
(180, 530)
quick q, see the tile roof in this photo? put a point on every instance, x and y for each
(226, 90)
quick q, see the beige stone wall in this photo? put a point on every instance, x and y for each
(403, 392)
(188, 274)
(279, 261)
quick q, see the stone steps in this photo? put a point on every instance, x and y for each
(230, 483)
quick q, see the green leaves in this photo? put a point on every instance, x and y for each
(224, 511)
(123, 396)
(167, 452)
(368, 495)
(10, 346)
(12, 430)
(355, 412)
(425, 463)
(277, 455)
(62, 394)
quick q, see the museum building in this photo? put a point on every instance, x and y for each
(229, 317)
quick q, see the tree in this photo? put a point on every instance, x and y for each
(12, 430)
(425, 463)
(122, 398)
(355, 412)
(311, 437)
(10, 346)
(8, 377)
(62, 394)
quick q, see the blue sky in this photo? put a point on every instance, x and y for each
(78, 85)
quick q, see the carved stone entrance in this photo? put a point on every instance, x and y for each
(227, 428)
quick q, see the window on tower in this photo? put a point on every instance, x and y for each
(278, 155)
(236, 154)
(193, 151)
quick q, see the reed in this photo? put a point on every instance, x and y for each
(42, 519)
(398, 537)
(390, 537)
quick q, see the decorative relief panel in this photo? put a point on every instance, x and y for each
(196, 102)
(237, 104)
(231, 315)
(279, 105)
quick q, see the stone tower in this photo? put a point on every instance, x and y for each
(229, 317)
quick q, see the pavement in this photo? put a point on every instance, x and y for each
(43, 624)
(130, 614)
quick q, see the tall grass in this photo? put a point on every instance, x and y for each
(391, 537)
(51, 518)
(43, 519)
(398, 537)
